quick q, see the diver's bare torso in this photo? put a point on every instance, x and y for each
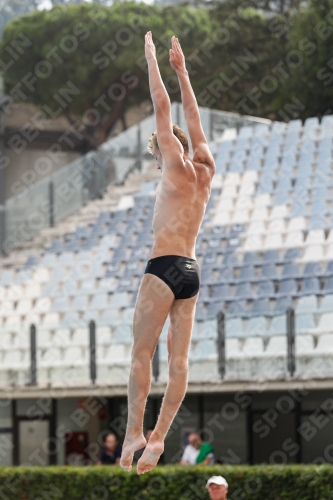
(181, 200)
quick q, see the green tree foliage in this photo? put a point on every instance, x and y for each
(250, 47)
(88, 60)
(309, 52)
(97, 50)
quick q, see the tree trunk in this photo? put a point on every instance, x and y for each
(123, 121)
(95, 135)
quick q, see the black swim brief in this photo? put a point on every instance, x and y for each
(181, 274)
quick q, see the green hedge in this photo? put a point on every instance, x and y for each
(298, 482)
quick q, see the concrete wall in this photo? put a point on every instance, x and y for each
(31, 165)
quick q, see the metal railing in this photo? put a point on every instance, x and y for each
(64, 192)
(222, 355)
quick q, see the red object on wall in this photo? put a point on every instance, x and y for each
(80, 403)
(102, 413)
(76, 445)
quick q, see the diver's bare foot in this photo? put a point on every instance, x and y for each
(150, 456)
(131, 444)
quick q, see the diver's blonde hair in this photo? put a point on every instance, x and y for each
(177, 131)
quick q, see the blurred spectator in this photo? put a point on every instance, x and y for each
(217, 488)
(111, 452)
(197, 451)
(138, 453)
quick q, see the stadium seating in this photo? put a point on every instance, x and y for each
(266, 244)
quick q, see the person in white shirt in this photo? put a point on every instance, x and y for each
(193, 449)
(217, 488)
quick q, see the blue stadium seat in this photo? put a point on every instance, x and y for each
(230, 259)
(99, 301)
(305, 160)
(292, 254)
(112, 270)
(213, 309)
(329, 269)
(278, 128)
(145, 238)
(287, 287)
(232, 242)
(244, 291)
(312, 269)
(90, 242)
(133, 268)
(325, 144)
(210, 260)
(236, 166)
(142, 200)
(284, 183)
(140, 253)
(265, 289)
(97, 232)
(291, 138)
(218, 230)
(247, 273)
(265, 186)
(318, 207)
(73, 246)
(104, 216)
(238, 308)
(304, 172)
(250, 258)
(282, 305)
(304, 323)
(271, 256)
(281, 197)
(328, 288)
(221, 291)
(234, 328)
(68, 287)
(210, 203)
(204, 293)
(310, 286)
(290, 271)
(236, 230)
(307, 304)
(324, 155)
(317, 221)
(226, 274)
(207, 275)
(299, 210)
(200, 312)
(72, 319)
(319, 193)
(120, 255)
(31, 261)
(126, 285)
(278, 325)
(273, 150)
(67, 259)
(294, 126)
(119, 215)
(253, 164)
(268, 170)
(288, 163)
(256, 151)
(82, 231)
(214, 244)
(57, 247)
(242, 142)
(260, 307)
(268, 272)
(221, 165)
